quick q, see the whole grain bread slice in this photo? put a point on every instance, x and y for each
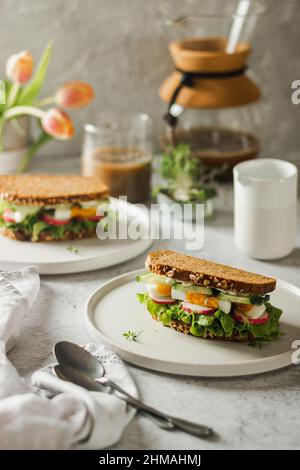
(41, 190)
(46, 236)
(184, 328)
(206, 273)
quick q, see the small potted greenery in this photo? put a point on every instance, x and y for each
(187, 180)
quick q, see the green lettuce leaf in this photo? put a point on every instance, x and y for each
(32, 227)
(219, 324)
(269, 330)
(205, 320)
(227, 322)
(37, 228)
(4, 205)
(196, 329)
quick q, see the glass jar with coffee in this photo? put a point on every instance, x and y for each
(119, 151)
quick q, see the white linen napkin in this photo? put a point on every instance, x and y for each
(49, 413)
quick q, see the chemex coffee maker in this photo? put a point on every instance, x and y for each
(211, 98)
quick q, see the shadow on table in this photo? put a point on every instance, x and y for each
(142, 433)
(292, 259)
(281, 379)
(220, 219)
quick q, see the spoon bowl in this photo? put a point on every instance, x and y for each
(74, 356)
(77, 377)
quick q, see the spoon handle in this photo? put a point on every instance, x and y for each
(187, 426)
(161, 422)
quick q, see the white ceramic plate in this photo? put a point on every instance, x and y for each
(55, 258)
(113, 309)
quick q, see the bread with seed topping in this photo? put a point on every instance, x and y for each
(206, 273)
(42, 190)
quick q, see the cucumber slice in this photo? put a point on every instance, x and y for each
(150, 278)
(192, 288)
(234, 298)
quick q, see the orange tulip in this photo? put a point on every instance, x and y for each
(19, 67)
(74, 95)
(58, 124)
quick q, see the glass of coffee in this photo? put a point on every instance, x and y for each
(119, 151)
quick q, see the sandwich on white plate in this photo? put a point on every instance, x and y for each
(51, 207)
(209, 300)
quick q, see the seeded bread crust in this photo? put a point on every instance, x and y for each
(41, 190)
(47, 237)
(207, 273)
(182, 327)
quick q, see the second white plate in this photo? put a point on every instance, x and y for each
(114, 309)
(55, 258)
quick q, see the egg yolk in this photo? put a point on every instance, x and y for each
(244, 307)
(83, 212)
(201, 299)
(164, 289)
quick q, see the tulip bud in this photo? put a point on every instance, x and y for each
(74, 95)
(58, 124)
(19, 67)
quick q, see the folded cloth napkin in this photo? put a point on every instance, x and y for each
(49, 413)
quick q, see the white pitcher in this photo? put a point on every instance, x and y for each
(265, 208)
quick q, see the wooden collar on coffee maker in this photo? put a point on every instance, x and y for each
(187, 79)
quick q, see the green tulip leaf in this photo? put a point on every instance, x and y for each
(31, 91)
(2, 93)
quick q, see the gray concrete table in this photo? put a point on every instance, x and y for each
(260, 412)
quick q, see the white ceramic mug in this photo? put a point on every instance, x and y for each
(265, 207)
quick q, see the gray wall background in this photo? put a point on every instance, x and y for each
(120, 47)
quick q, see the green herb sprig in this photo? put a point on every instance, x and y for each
(132, 335)
(73, 249)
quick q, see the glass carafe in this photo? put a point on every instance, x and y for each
(216, 109)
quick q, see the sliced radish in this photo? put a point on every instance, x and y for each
(52, 221)
(9, 216)
(242, 318)
(261, 320)
(94, 218)
(193, 308)
(160, 301)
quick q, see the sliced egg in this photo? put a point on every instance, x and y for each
(83, 212)
(256, 311)
(160, 292)
(87, 204)
(19, 216)
(62, 213)
(244, 317)
(202, 299)
(178, 294)
(224, 305)
(22, 212)
(197, 308)
(195, 298)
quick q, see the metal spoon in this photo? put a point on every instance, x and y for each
(74, 357)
